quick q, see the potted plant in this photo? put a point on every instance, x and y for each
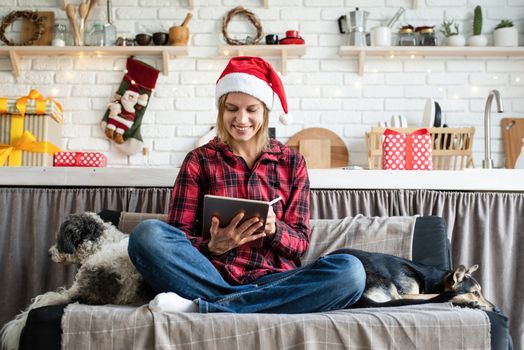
(477, 39)
(452, 35)
(505, 34)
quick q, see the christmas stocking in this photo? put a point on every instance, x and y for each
(123, 118)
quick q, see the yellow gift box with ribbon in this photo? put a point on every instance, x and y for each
(30, 130)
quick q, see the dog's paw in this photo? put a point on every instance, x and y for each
(473, 305)
(462, 301)
(470, 304)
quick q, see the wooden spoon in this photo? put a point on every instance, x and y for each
(83, 10)
(71, 14)
(91, 4)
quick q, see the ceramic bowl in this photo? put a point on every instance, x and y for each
(143, 39)
(160, 38)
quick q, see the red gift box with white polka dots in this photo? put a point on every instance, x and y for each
(80, 159)
(407, 151)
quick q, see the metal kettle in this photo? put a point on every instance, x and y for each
(354, 24)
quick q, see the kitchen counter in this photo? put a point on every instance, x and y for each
(465, 180)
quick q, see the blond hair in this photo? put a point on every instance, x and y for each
(261, 137)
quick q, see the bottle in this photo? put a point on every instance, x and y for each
(96, 36)
(59, 35)
(519, 164)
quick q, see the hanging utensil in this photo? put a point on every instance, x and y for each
(109, 28)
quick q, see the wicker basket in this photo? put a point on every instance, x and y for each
(452, 147)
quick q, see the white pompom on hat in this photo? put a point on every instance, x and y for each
(255, 77)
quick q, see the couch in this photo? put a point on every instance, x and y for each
(423, 239)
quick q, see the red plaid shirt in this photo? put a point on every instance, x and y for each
(279, 171)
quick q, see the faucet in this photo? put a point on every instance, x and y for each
(487, 163)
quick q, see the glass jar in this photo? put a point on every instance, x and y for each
(109, 34)
(123, 41)
(406, 37)
(59, 35)
(427, 37)
(95, 37)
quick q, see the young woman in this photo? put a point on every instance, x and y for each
(227, 273)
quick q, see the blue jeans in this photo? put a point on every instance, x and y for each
(169, 263)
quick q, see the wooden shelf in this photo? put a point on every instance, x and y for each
(165, 52)
(282, 51)
(191, 4)
(427, 51)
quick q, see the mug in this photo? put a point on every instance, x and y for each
(271, 39)
(381, 36)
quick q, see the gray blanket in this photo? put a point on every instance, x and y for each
(433, 326)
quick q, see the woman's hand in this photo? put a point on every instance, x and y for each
(233, 235)
(270, 229)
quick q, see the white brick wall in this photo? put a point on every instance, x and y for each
(324, 89)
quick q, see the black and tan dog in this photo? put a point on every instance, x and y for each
(394, 281)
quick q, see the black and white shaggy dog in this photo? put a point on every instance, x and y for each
(106, 274)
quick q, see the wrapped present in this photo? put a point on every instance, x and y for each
(30, 130)
(80, 159)
(407, 151)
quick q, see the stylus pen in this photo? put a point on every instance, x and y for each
(275, 200)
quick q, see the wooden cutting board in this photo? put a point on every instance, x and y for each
(322, 148)
(512, 135)
(28, 29)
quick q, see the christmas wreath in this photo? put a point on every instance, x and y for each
(251, 17)
(32, 16)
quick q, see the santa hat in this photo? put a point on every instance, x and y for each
(255, 77)
(133, 87)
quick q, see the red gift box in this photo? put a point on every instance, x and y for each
(407, 151)
(80, 159)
